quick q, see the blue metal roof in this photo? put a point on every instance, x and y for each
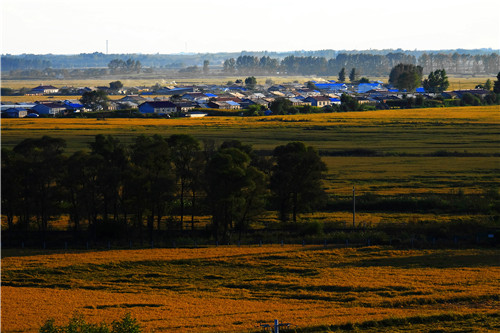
(330, 86)
(232, 103)
(420, 90)
(210, 95)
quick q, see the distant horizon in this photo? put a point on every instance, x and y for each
(263, 51)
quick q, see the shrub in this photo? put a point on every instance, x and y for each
(78, 324)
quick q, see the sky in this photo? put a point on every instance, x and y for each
(209, 26)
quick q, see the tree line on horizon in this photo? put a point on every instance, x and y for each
(325, 62)
(155, 183)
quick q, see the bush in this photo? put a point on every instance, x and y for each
(78, 324)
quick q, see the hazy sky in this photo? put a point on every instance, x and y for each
(154, 26)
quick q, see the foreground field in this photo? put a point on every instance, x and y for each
(232, 289)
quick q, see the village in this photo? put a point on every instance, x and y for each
(320, 95)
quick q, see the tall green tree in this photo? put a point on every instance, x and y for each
(41, 162)
(342, 75)
(496, 85)
(353, 75)
(154, 175)
(235, 191)
(437, 82)
(488, 85)
(229, 66)
(11, 186)
(110, 174)
(406, 76)
(184, 149)
(296, 179)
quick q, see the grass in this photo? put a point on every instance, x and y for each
(233, 289)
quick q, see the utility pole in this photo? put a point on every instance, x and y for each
(353, 207)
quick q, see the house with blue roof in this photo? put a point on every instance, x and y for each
(49, 108)
(158, 107)
(365, 87)
(15, 113)
(73, 105)
(318, 101)
(334, 87)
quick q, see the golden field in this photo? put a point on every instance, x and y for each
(233, 289)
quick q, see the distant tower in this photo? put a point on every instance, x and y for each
(106, 46)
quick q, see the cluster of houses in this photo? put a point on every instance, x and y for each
(183, 99)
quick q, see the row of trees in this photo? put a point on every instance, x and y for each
(368, 64)
(157, 182)
(128, 66)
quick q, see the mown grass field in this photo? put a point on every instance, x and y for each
(233, 289)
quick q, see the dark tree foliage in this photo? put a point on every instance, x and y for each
(496, 85)
(469, 99)
(128, 66)
(341, 77)
(113, 191)
(95, 100)
(296, 179)
(251, 82)
(281, 106)
(229, 66)
(437, 82)
(364, 80)
(348, 103)
(406, 76)
(115, 85)
(110, 174)
(185, 150)
(39, 163)
(311, 85)
(488, 85)
(353, 75)
(153, 179)
(235, 191)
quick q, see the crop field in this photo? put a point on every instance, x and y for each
(395, 151)
(234, 289)
(317, 289)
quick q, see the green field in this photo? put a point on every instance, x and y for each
(418, 153)
(386, 152)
